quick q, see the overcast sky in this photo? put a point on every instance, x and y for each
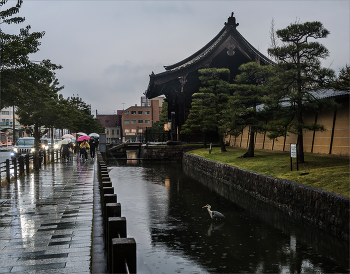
(109, 48)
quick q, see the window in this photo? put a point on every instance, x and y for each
(107, 132)
(127, 130)
(147, 112)
(117, 131)
(140, 112)
(108, 121)
(140, 121)
(140, 130)
(126, 112)
(5, 112)
(126, 121)
(112, 131)
(133, 130)
(133, 121)
(147, 121)
(133, 112)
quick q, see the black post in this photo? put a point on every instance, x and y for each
(21, 165)
(27, 163)
(14, 162)
(8, 170)
(52, 154)
(44, 156)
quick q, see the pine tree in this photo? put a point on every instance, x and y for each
(249, 92)
(301, 73)
(202, 116)
(213, 95)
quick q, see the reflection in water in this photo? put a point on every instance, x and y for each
(163, 207)
(214, 226)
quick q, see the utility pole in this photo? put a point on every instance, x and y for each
(123, 105)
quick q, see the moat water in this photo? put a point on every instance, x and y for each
(162, 203)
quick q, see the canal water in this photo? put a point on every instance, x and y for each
(163, 204)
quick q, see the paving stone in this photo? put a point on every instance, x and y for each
(46, 221)
(38, 267)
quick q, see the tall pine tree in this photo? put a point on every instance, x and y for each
(302, 75)
(249, 92)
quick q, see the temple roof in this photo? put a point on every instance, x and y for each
(228, 38)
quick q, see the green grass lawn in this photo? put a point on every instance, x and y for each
(326, 172)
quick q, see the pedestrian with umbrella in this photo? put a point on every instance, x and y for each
(84, 146)
(93, 144)
(65, 149)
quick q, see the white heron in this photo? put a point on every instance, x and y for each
(214, 214)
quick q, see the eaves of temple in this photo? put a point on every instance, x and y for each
(228, 49)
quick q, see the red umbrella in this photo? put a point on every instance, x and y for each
(82, 138)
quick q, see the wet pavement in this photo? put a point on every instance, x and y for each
(51, 222)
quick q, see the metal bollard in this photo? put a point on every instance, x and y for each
(21, 165)
(8, 170)
(124, 255)
(27, 163)
(45, 157)
(14, 163)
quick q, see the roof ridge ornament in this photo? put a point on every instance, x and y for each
(231, 21)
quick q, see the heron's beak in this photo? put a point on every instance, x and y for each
(203, 206)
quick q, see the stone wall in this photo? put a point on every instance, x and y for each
(327, 210)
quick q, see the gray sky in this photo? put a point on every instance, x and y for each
(109, 48)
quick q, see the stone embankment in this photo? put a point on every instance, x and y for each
(327, 210)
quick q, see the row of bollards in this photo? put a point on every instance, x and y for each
(120, 250)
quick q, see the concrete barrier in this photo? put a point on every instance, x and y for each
(124, 255)
(121, 251)
(116, 229)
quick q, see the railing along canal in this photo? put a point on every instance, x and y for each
(24, 163)
(121, 251)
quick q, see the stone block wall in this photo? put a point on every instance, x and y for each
(327, 210)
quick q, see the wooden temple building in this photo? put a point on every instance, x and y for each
(228, 49)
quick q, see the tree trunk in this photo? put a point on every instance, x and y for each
(36, 147)
(204, 139)
(222, 144)
(250, 152)
(300, 148)
(300, 140)
(300, 143)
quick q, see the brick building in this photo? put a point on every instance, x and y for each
(112, 124)
(137, 118)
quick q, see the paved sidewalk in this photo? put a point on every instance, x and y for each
(46, 221)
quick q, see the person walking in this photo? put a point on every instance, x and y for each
(93, 144)
(65, 152)
(84, 146)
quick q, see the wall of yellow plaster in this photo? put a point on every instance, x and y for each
(315, 142)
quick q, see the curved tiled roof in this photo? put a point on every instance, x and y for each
(199, 52)
(229, 29)
(228, 34)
